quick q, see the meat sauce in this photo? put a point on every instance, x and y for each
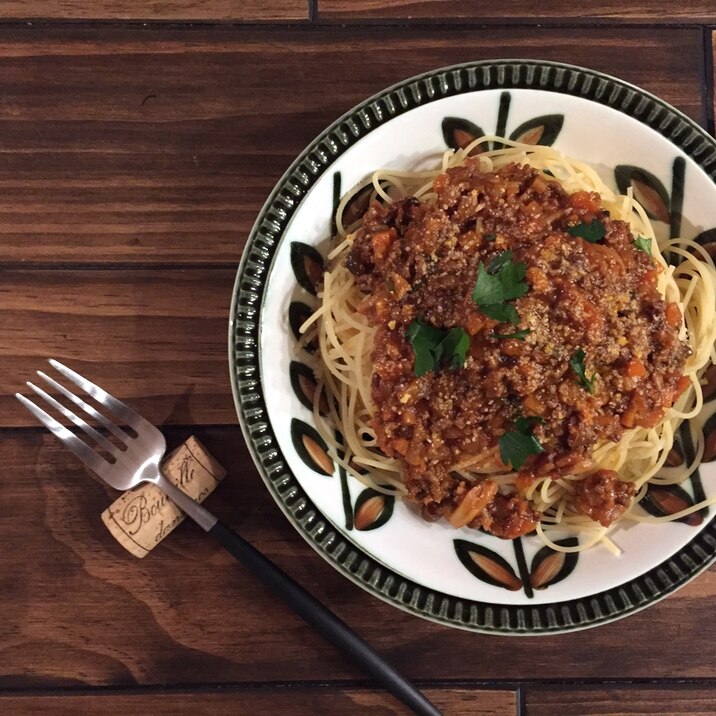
(416, 260)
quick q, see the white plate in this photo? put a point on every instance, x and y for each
(604, 122)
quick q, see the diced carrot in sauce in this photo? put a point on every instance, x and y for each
(400, 445)
(673, 315)
(532, 405)
(650, 419)
(537, 279)
(474, 323)
(682, 384)
(539, 184)
(381, 307)
(586, 201)
(649, 277)
(381, 242)
(635, 369)
(533, 208)
(409, 417)
(524, 482)
(629, 417)
(637, 414)
(441, 182)
(414, 455)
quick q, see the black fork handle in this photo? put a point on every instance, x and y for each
(333, 629)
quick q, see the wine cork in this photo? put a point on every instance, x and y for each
(141, 518)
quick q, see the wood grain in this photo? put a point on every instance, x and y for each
(296, 701)
(710, 74)
(160, 146)
(155, 338)
(496, 11)
(78, 611)
(158, 10)
(691, 699)
(133, 162)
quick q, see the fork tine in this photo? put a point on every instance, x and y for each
(101, 419)
(122, 411)
(100, 439)
(85, 453)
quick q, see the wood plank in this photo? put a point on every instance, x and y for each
(694, 700)
(711, 84)
(296, 700)
(155, 338)
(79, 611)
(137, 10)
(161, 146)
(495, 11)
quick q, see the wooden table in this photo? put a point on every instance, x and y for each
(134, 157)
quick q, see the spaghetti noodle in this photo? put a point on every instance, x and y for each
(553, 500)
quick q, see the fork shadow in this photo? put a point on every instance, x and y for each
(180, 413)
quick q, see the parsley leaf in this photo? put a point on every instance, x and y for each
(434, 347)
(488, 289)
(517, 445)
(502, 312)
(511, 274)
(577, 365)
(524, 424)
(519, 335)
(592, 232)
(454, 347)
(498, 261)
(502, 281)
(425, 340)
(643, 244)
(490, 237)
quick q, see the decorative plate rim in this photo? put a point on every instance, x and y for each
(245, 330)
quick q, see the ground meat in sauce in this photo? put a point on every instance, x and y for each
(603, 497)
(507, 517)
(419, 260)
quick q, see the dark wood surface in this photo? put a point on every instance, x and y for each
(526, 11)
(634, 700)
(159, 146)
(160, 10)
(133, 161)
(297, 700)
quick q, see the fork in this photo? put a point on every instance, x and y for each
(138, 461)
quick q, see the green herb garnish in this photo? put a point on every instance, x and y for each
(502, 281)
(643, 244)
(503, 260)
(592, 232)
(517, 445)
(490, 237)
(436, 347)
(502, 312)
(520, 335)
(525, 423)
(454, 347)
(577, 365)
